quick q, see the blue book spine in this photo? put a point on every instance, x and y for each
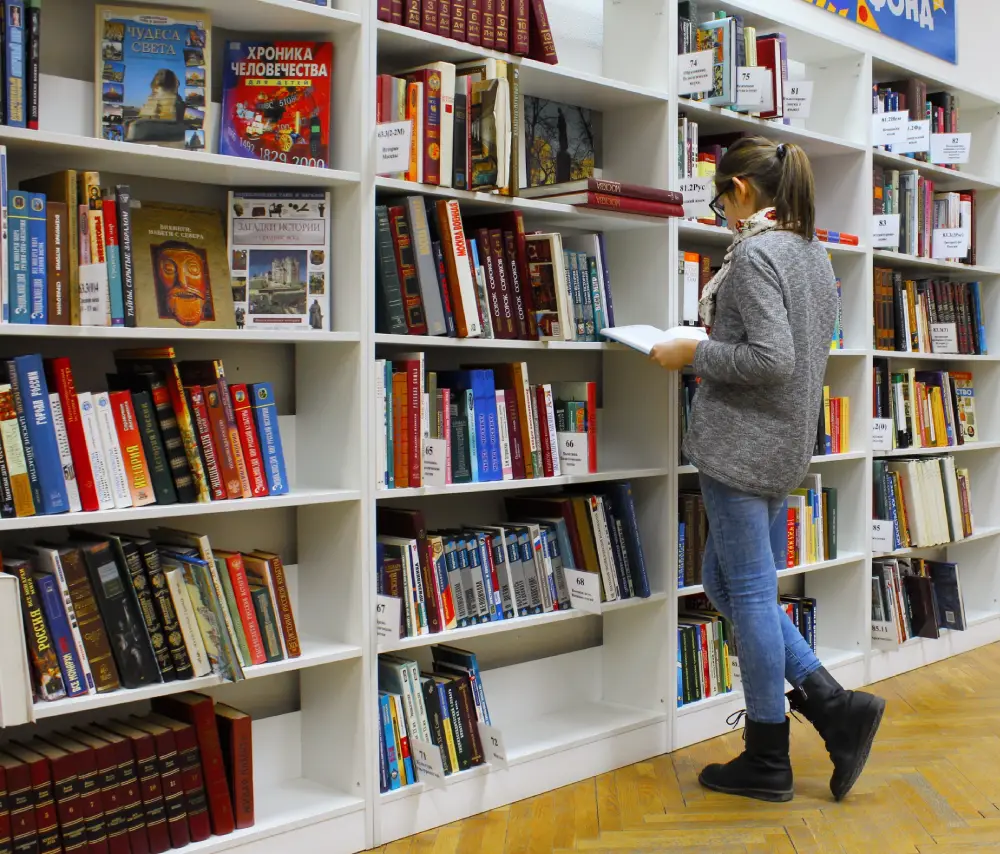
(37, 260)
(14, 103)
(487, 429)
(609, 306)
(550, 579)
(113, 259)
(383, 763)
(624, 505)
(980, 326)
(390, 740)
(680, 668)
(476, 570)
(680, 554)
(19, 266)
(59, 636)
(442, 696)
(41, 433)
(496, 600)
(379, 563)
(265, 413)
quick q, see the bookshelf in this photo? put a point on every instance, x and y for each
(575, 694)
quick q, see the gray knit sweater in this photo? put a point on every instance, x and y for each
(754, 417)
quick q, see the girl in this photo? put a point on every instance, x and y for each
(771, 310)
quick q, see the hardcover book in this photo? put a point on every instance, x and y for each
(276, 101)
(181, 280)
(153, 70)
(562, 142)
(279, 257)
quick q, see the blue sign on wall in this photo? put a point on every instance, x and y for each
(927, 25)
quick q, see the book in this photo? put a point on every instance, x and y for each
(236, 741)
(152, 74)
(15, 71)
(279, 258)
(276, 101)
(48, 683)
(645, 338)
(562, 143)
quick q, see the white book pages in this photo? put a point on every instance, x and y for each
(644, 338)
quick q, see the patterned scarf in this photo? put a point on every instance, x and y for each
(759, 223)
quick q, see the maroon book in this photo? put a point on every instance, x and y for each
(171, 781)
(150, 789)
(199, 711)
(192, 778)
(17, 819)
(91, 805)
(106, 757)
(63, 767)
(46, 819)
(236, 737)
(129, 789)
(603, 185)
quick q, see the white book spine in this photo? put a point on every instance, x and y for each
(98, 461)
(52, 557)
(418, 702)
(188, 622)
(550, 418)
(409, 705)
(608, 574)
(65, 457)
(506, 462)
(420, 614)
(113, 450)
(541, 573)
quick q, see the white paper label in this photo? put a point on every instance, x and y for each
(94, 295)
(734, 669)
(584, 590)
(698, 193)
(949, 148)
(435, 462)
(387, 617)
(695, 71)
(753, 89)
(882, 433)
(885, 231)
(916, 137)
(950, 243)
(944, 337)
(430, 766)
(884, 632)
(493, 746)
(393, 153)
(888, 128)
(883, 536)
(573, 453)
(798, 99)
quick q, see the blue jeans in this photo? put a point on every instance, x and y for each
(740, 578)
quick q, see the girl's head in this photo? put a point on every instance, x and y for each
(757, 173)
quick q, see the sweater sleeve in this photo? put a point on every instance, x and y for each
(768, 354)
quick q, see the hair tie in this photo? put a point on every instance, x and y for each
(781, 151)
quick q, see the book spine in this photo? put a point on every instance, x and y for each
(115, 824)
(152, 445)
(232, 432)
(5, 244)
(7, 510)
(199, 413)
(248, 440)
(108, 434)
(66, 794)
(173, 441)
(95, 451)
(61, 637)
(488, 8)
(99, 258)
(244, 605)
(542, 46)
(154, 809)
(284, 605)
(144, 599)
(458, 18)
(165, 611)
(112, 253)
(65, 456)
(520, 27)
(269, 630)
(14, 71)
(224, 457)
(57, 263)
(237, 749)
(42, 653)
(137, 469)
(19, 258)
(195, 798)
(502, 34)
(32, 393)
(474, 22)
(32, 57)
(22, 427)
(123, 207)
(172, 788)
(266, 416)
(187, 621)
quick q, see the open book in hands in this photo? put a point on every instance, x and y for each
(645, 338)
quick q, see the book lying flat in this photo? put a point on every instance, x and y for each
(644, 338)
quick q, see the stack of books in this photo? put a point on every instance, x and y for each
(833, 434)
(605, 194)
(915, 598)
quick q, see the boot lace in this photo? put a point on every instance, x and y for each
(735, 719)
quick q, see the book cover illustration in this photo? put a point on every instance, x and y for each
(181, 276)
(153, 73)
(561, 142)
(279, 256)
(276, 101)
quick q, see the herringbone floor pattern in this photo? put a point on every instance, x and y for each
(932, 786)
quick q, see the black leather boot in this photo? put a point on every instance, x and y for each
(763, 771)
(847, 721)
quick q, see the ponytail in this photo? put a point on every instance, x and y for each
(780, 174)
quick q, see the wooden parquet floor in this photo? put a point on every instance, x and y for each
(932, 786)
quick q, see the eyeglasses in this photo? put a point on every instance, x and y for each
(716, 204)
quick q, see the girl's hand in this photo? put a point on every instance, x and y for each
(674, 355)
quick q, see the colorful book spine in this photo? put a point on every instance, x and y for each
(34, 395)
(108, 436)
(265, 412)
(137, 469)
(248, 439)
(5, 269)
(37, 258)
(19, 257)
(14, 70)
(123, 207)
(112, 253)
(57, 267)
(65, 455)
(61, 637)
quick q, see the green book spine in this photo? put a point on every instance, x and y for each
(234, 613)
(268, 625)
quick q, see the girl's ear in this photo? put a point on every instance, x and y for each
(742, 191)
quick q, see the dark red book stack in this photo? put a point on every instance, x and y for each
(519, 27)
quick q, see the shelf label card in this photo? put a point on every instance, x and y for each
(430, 767)
(950, 243)
(695, 71)
(387, 615)
(885, 231)
(883, 536)
(917, 138)
(698, 194)
(393, 154)
(944, 338)
(884, 634)
(435, 462)
(798, 99)
(889, 128)
(947, 148)
(573, 453)
(754, 89)
(882, 433)
(584, 590)
(735, 672)
(493, 746)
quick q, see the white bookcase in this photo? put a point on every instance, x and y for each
(574, 694)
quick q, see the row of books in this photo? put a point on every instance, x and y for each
(106, 612)
(928, 409)
(484, 277)
(922, 210)
(913, 597)
(833, 433)
(519, 27)
(479, 424)
(154, 87)
(79, 254)
(928, 315)
(939, 109)
(928, 500)
(165, 433)
(442, 707)
(145, 783)
(808, 517)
